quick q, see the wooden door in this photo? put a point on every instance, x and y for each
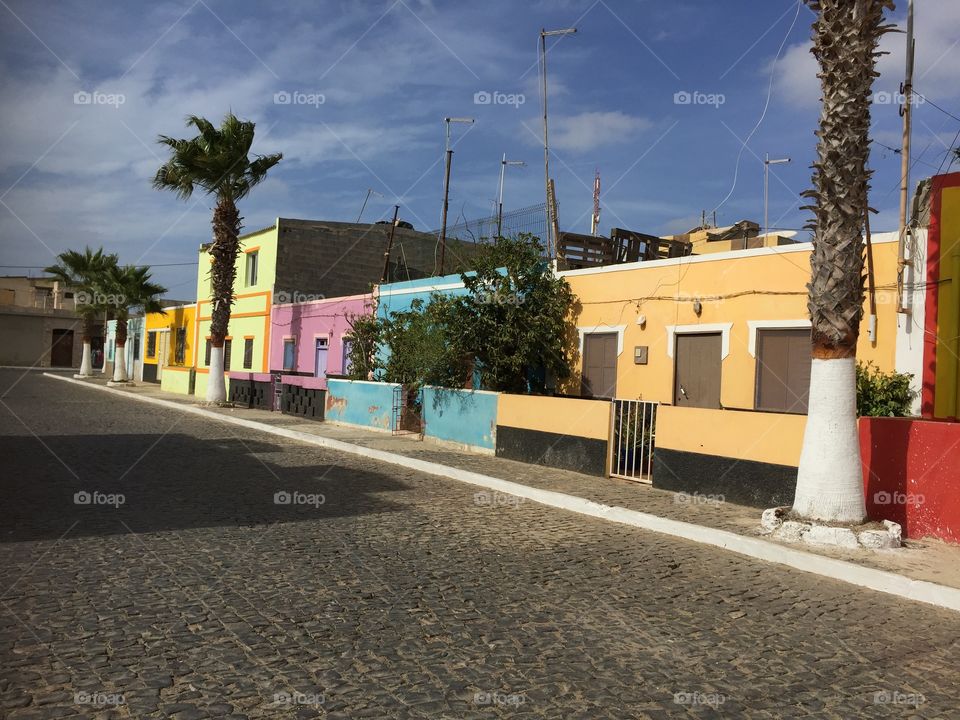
(61, 348)
(599, 365)
(697, 370)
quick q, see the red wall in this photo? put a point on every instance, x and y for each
(911, 472)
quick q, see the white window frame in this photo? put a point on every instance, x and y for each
(603, 330)
(722, 328)
(253, 255)
(754, 325)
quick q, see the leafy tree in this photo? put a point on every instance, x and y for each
(86, 274)
(365, 338)
(423, 346)
(218, 162)
(515, 320)
(881, 394)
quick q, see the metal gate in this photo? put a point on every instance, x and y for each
(407, 414)
(632, 435)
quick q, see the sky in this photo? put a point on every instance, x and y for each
(675, 103)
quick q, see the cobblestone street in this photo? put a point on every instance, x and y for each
(154, 564)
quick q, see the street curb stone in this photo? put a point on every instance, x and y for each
(878, 580)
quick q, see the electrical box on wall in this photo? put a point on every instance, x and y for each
(640, 353)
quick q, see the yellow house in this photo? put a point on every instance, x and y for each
(169, 348)
(247, 345)
(721, 330)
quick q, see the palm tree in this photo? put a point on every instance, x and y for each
(85, 273)
(845, 38)
(131, 290)
(218, 162)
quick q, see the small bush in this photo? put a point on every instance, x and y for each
(883, 394)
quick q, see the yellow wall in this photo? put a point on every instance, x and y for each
(250, 314)
(762, 437)
(947, 394)
(733, 288)
(564, 416)
(174, 317)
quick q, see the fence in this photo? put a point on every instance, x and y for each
(531, 220)
(633, 434)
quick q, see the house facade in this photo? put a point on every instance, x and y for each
(168, 357)
(134, 348)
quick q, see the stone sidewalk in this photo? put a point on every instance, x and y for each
(928, 559)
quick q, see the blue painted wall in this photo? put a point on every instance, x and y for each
(360, 402)
(461, 416)
(398, 296)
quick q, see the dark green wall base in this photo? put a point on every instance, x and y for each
(149, 373)
(567, 452)
(305, 402)
(745, 482)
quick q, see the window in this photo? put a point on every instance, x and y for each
(783, 370)
(227, 348)
(347, 349)
(180, 347)
(151, 344)
(206, 354)
(289, 353)
(247, 353)
(136, 346)
(253, 261)
(68, 295)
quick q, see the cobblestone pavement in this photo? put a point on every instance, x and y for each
(401, 595)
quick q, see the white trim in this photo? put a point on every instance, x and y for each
(368, 382)
(754, 325)
(752, 547)
(420, 289)
(603, 329)
(722, 328)
(876, 239)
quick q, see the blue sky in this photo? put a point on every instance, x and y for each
(389, 72)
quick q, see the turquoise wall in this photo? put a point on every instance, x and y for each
(461, 416)
(360, 402)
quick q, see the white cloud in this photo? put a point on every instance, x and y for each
(590, 130)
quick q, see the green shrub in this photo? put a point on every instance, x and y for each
(883, 394)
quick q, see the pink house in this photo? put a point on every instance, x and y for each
(306, 339)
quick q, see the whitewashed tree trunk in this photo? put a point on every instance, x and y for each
(86, 363)
(216, 382)
(830, 478)
(120, 364)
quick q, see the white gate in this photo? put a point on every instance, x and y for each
(632, 435)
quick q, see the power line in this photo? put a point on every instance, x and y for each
(928, 100)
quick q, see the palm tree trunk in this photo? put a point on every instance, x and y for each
(226, 246)
(830, 478)
(120, 353)
(86, 362)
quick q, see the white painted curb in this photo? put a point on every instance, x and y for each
(879, 580)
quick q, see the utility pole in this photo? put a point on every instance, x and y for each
(595, 218)
(503, 167)
(446, 184)
(551, 220)
(446, 198)
(386, 254)
(767, 162)
(906, 111)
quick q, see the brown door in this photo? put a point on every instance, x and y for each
(61, 348)
(599, 365)
(697, 371)
(783, 370)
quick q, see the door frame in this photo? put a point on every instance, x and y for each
(616, 361)
(162, 349)
(701, 330)
(317, 339)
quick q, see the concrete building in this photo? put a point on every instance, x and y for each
(744, 235)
